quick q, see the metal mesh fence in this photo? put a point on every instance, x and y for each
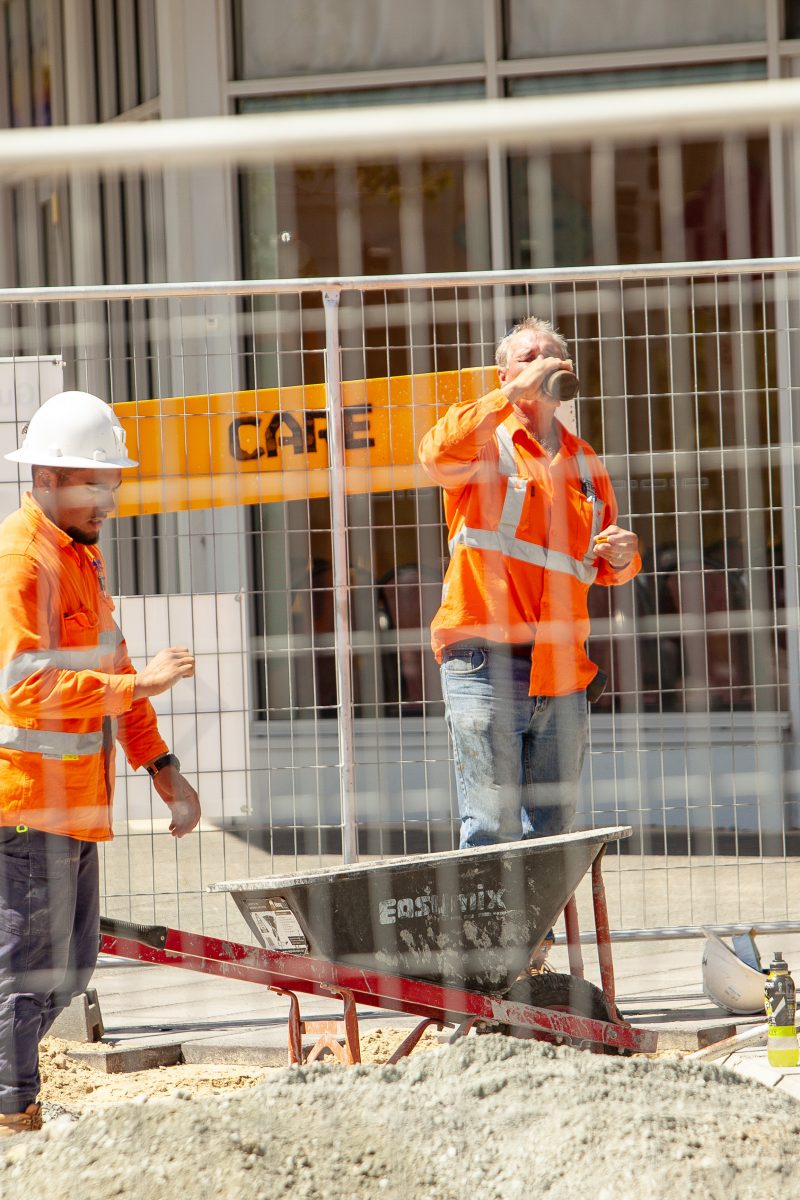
(280, 524)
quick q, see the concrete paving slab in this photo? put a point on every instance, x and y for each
(687, 1036)
(790, 1084)
(753, 1064)
(234, 1052)
(121, 1060)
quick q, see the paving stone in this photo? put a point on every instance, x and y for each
(219, 1052)
(115, 1060)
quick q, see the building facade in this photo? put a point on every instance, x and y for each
(664, 375)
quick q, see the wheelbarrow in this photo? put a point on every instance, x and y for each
(446, 937)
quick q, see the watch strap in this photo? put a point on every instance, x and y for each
(158, 764)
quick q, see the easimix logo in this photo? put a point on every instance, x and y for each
(482, 902)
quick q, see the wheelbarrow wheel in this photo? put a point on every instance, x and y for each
(565, 994)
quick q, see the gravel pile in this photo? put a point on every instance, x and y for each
(490, 1117)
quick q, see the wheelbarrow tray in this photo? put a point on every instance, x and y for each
(463, 918)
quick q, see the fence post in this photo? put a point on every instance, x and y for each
(788, 476)
(341, 576)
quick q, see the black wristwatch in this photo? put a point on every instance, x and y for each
(158, 764)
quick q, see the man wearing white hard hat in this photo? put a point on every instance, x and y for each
(68, 691)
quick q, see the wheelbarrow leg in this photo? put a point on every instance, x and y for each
(573, 938)
(408, 1044)
(463, 1029)
(294, 1026)
(350, 1053)
(603, 931)
(352, 1040)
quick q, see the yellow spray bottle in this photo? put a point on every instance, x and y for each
(780, 1003)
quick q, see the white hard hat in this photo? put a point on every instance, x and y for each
(74, 429)
(728, 981)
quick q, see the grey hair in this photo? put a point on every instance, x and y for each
(535, 325)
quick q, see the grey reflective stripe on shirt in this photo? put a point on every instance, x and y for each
(598, 506)
(86, 658)
(111, 637)
(50, 744)
(516, 488)
(507, 463)
(27, 664)
(504, 539)
(522, 551)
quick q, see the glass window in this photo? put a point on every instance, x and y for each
(371, 218)
(634, 204)
(598, 81)
(537, 28)
(374, 218)
(395, 547)
(30, 63)
(678, 394)
(313, 37)
(41, 63)
(419, 94)
(791, 19)
(125, 55)
(148, 52)
(641, 204)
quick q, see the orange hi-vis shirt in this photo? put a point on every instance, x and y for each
(66, 683)
(520, 529)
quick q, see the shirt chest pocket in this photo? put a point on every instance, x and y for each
(577, 519)
(534, 498)
(79, 628)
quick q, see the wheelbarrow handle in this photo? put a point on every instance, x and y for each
(148, 935)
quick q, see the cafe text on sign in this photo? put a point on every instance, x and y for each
(271, 444)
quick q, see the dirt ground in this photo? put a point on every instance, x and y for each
(79, 1087)
(488, 1116)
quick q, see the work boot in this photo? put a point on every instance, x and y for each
(24, 1122)
(537, 964)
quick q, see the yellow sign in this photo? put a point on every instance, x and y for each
(272, 444)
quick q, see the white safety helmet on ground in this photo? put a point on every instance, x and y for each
(74, 429)
(729, 982)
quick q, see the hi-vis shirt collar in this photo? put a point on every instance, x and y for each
(518, 432)
(38, 522)
(40, 525)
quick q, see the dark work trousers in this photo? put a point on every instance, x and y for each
(49, 941)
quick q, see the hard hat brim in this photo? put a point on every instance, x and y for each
(39, 459)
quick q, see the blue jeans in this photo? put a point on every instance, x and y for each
(518, 758)
(49, 941)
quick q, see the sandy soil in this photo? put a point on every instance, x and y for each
(80, 1087)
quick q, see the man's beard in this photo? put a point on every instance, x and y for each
(82, 537)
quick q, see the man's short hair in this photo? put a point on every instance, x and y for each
(536, 325)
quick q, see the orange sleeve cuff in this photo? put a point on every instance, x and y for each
(608, 576)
